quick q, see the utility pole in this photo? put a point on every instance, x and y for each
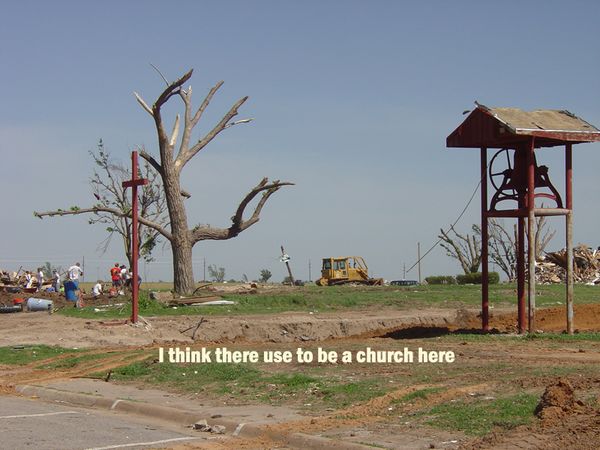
(286, 259)
(309, 271)
(419, 259)
(404, 271)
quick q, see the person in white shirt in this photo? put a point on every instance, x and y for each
(74, 273)
(40, 279)
(97, 289)
(124, 276)
(28, 280)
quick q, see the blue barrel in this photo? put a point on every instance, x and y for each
(38, 304)
(70, 291)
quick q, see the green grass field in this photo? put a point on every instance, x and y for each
(323, 299)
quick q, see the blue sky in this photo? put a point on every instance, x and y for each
(352, 101)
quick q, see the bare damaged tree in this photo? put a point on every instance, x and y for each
(542, 236)
(503, 244)
(170, 165)
(502, 248)
(466, 249)
(216, 273)
(113, 207)
(107, 187)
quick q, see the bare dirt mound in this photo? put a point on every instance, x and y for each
(586, 318)
(55, 329)
(557, 402)
(564, 422)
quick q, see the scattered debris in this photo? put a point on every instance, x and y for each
(21, 281)
(161, 297)
(237, 289)
(141, 323)
(10, 309)
(215, 303)
(186, 301)
(200, 322)
(202, 425)
(553, 267)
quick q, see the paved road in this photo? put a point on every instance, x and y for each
(30, 424)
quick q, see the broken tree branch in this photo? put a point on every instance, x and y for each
(206, 232)
(100, 209)
(141, 101)
(186, 154)
(173, 89)
(156, 165)
(189, 121)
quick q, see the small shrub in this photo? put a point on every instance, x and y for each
(475, 278)
(441, 279)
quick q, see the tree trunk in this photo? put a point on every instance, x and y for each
(181, 243)
(183, 275)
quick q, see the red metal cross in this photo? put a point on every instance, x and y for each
(133, 184)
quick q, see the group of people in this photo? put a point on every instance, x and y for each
(30, 279)
(73, 274)
(121, 278)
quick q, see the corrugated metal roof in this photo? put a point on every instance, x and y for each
(524, 122)
(513, 127)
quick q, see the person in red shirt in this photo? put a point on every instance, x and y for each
(115, 275)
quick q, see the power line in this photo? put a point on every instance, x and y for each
(451, 226)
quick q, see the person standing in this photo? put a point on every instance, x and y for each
(28, 280)
(56, 281)
(40, 279)
(124, 275)
(115, 276)
(74, 273)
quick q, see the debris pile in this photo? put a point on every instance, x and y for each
(250, 288)
(553, 267)
(557, 402)
(21, 281)
(202, 425)
(208, 294)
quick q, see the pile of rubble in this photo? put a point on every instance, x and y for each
(14, 282)
(586, 266)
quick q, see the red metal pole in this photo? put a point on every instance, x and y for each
(569, 175)
(531, 231)
(484, 244)
(133, 184)
(134, 238)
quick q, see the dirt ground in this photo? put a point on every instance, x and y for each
(567, 417)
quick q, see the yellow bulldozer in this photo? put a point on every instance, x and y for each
(346, 270)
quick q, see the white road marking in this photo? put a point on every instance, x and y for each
(38, 415)
(136, 444)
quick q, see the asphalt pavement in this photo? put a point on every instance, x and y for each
(121, 416)
(31, 424)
